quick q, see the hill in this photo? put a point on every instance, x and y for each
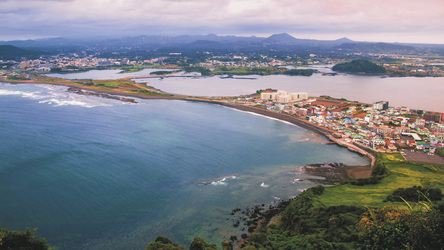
(359, 66)
(11, 52)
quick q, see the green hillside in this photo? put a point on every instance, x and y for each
(359, 66)
(12, 52)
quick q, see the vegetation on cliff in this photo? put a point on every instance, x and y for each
(359, 66)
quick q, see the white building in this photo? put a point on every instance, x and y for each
(282, 96)
(420, 123)
(269, 95)
(381, 105)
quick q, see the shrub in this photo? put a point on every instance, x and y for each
(165, 243)
(22, 240)
(415, 194)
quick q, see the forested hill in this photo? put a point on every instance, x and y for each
(12, 52)
(359, 66)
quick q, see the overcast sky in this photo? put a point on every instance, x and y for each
(419, 21)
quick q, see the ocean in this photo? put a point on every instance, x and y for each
(94, 173)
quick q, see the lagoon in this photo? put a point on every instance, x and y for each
(415, 92)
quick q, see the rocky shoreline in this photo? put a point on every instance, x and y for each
(332, 173)
(97, 94)
(255, 219)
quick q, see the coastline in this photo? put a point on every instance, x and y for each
(262, 219)
(280, 116)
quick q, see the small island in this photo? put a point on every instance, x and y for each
(359, 66)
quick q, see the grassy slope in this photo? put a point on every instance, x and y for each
(403, 175)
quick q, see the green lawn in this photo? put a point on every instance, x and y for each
(403, 175)
(111, 83)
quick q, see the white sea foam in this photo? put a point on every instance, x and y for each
(57, 102)
(268, 117)
(58, 96)
(26, 94)
(9, 92)
(222, 181)
(264, 185)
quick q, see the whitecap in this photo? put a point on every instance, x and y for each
(264, 186)
(296, 180)
(217, 183)
(220, 181)
(57, 96)
(57, 102)
(265, 116)
(9, 92)
(32, 95)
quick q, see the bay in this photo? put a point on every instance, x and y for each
(95, 173)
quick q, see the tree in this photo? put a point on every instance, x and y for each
(163, 243)
(22, 240)
(359, 66)
(201, 244)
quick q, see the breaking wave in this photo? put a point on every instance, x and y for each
(57, 96)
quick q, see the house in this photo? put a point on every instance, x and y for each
(411, 143)
(378, 142)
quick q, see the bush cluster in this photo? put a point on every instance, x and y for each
(416, 194)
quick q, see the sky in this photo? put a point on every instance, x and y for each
(406, 21)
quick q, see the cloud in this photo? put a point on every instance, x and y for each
(78, 17)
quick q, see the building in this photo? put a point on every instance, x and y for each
(381, 105)
(420, 123)
(438, 128)
(384, 130)
(282, 96)
(298, 96)
(433, 116)
(268, 95)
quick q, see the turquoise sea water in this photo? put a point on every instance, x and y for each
(95, 173)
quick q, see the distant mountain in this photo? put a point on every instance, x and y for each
(281, 42)
(205, 44)
(280, 39)
(344, 40)
(11, 52)
(375, 47)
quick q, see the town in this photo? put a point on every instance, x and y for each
(374, 126)
(222, 62)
